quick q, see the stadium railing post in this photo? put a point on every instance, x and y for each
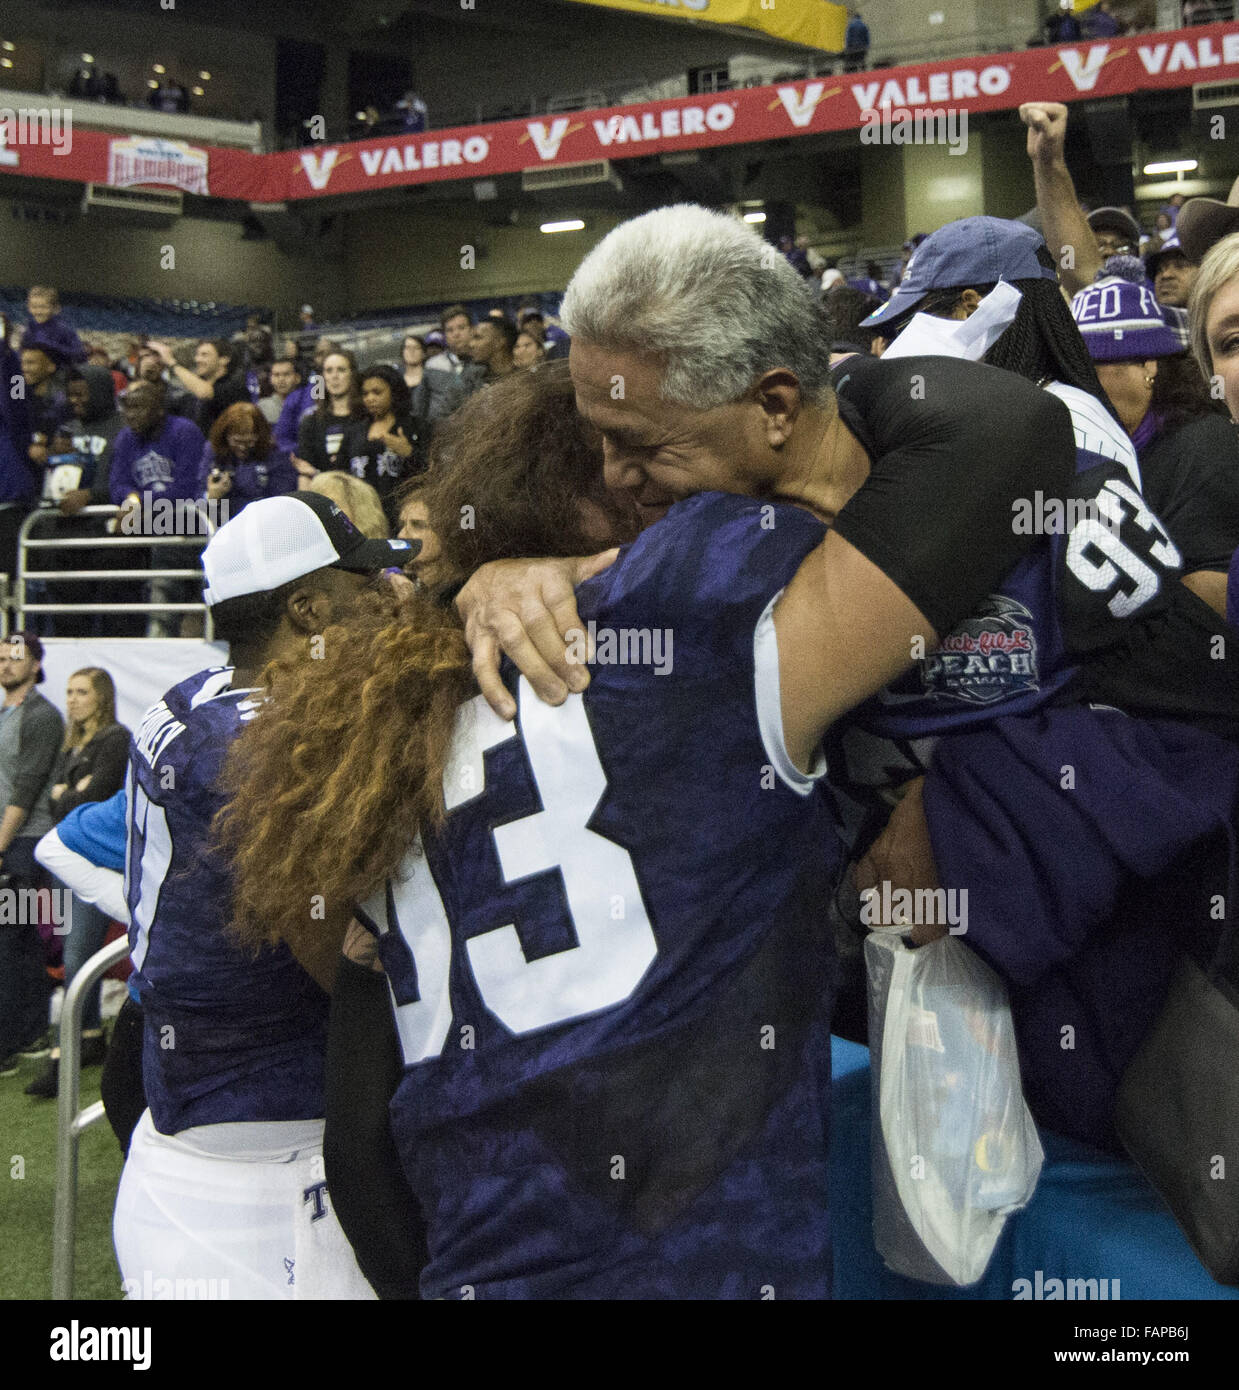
(151, 576)
(71, 1122)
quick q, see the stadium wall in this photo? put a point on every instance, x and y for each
(212, 261)
(411, 257)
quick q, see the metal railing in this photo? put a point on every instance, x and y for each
(139, 120)
(25, 575)
(72, 1122)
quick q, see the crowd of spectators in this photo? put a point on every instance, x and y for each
(217, 424)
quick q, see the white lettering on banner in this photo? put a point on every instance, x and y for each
(1153, 56)
(434, 154)
(318, 167)
(800, 106)
(943, 86)
(1084, 72)
(546, 142)
(663, 125)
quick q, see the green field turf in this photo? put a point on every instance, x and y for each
(28, 1130)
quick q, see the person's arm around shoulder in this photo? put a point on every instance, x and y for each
(310, 456)
(927, 536)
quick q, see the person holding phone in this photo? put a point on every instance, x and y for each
(241, 463)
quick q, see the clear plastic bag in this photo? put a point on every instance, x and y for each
(955, 1150)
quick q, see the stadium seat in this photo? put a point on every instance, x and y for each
(1093, 1216)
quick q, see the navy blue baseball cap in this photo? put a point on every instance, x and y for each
(972, 251)
(1169, 247)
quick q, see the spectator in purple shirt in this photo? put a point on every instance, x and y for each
(156, 452)
(48, 330)
(298, 400)
(1100, 23)
(155, 460)
(240, 461)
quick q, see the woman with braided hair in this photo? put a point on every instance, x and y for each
(956, 267)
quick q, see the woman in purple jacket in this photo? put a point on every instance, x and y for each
(240, 461)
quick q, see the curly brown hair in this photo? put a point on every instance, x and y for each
(517, 472)
(328, 787)
(238, 417)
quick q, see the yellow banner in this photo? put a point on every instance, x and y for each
(814, 23)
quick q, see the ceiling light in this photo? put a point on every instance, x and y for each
(1172, 166)
(572, 225)
(6, 62)
(8, 45)
(754, 216)
(151, 83)
(159, 68)
(88, 57)
(204, 77)
(199, 91)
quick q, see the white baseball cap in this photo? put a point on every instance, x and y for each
(278, 539)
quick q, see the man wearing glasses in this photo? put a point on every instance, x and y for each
(1079, 244)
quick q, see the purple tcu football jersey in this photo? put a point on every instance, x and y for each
(228, 1036)
(1012, 653)
(611, 974)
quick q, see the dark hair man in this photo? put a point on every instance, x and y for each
(216, 381)
(155, 452)
(490, 350)
(223, 1178)
(46, 404)
(177, 400)
(457, 328)
(31, 732)
(299, 400)
(1172, 273)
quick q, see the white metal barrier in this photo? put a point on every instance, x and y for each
(45, 518)
(72, 1121)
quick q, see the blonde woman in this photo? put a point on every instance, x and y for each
(1213, 312)
(356, 499)
(90, 767)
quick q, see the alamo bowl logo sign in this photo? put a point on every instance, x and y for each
(145, 160)
(992, 656)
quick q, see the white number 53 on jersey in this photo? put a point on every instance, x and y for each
(613, 951)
